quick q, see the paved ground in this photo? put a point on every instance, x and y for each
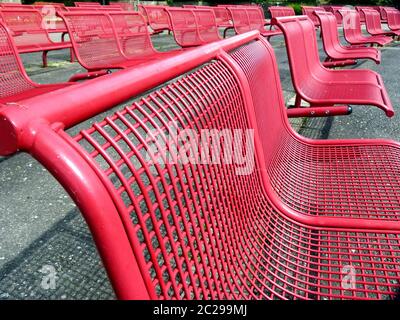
(42, 231)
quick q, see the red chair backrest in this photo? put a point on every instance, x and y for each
(240, 19)
(330, 35)
(93, 37)
(133, 35)
(372, 20)
(207, 25)
(301, 43)
(276, 11)
(361, 12)
(184, 26)
(157, 17)
(309, 12)
(351, 23)
(335, 11)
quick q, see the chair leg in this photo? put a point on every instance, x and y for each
(72, 55)
(297, 103)
(44, 59)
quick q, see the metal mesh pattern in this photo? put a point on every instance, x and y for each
(132, 34)
(157, 17)
(95, 42)
(26, 26)
(201, 231)
(206, 25)
(357, 182)
(184, 26)
(256, 19)
(12, 79)
(240, 20)
(222, 17)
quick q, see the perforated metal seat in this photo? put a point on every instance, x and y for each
(187, 230)
(15, 84)
(352, 30)
(336, 52)
(323, 87)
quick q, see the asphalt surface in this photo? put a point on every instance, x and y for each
(40, 227)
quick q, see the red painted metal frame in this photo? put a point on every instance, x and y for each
(102, 43)
(373, 24)
(156, 17)
(323, 87)
(202, 232)
(248, 18)
(15, 83)
(352, 30)
(193, 27)
(334, 49)
(309, 12)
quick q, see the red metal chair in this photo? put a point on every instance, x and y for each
(382, 11)
(246, 19)
(337, 54)
(15, 84)
(29, 33)
(307, 215)
(373, 24)
(193, 27)
(361, 13)
(156, 16)
(393, 19)
(309, 12)
(110, 40)
(352, 30)
(222, 15)
(321, 87)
